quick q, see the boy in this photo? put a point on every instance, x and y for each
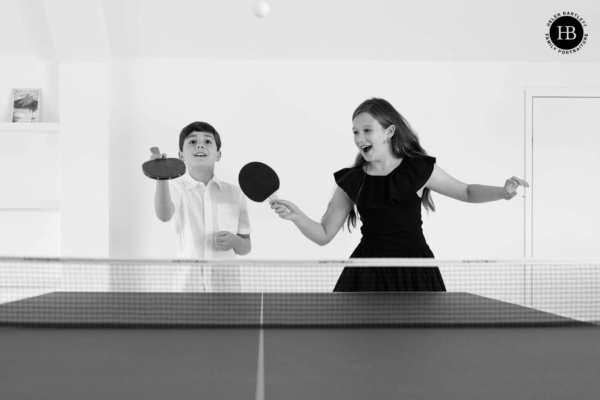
(210, 217)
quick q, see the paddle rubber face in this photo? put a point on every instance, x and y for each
(258, 181)
(164, 168)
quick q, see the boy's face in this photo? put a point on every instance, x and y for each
(200, 149)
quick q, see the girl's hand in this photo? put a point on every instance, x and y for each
(286, 209)
(510, 187)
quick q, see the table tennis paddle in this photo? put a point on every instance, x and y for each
(258, 181)
(163, 168)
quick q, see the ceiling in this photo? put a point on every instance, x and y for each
(428, 30)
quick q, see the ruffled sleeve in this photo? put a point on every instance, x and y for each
(419, 170)
(350, 180)
(385, 191)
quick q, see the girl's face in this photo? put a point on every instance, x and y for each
(370, 137)
(200, 149)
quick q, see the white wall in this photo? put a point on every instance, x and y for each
(296, 116)
(84, 146)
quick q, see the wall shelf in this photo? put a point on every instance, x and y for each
(29, 205)
(29, 127)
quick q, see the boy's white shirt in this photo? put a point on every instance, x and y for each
(201, 211)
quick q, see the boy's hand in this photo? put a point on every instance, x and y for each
(225, 241)
(155, 156)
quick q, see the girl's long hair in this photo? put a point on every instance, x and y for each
(405, 143)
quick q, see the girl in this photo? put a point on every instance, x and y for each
(389, 182)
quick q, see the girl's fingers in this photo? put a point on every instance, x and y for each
(519, 181)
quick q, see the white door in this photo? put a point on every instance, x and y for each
(563, 208)
(565, 179)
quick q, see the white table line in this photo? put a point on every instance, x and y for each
(260, 379)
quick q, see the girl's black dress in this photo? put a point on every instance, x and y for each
(390, 211)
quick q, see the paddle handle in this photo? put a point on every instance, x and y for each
(273, 197)
(155, 150)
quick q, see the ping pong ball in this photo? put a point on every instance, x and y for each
(261, 8)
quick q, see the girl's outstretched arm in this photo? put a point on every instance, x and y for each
(319, 232)
(441, 182)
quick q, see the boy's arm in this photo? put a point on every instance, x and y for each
(163, 205)
(244, 245)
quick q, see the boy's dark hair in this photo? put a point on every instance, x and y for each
(199, 127)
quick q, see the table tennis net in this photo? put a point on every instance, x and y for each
(281, 293)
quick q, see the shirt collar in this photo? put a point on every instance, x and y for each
(191, 183)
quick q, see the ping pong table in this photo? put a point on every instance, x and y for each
(111, 345)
